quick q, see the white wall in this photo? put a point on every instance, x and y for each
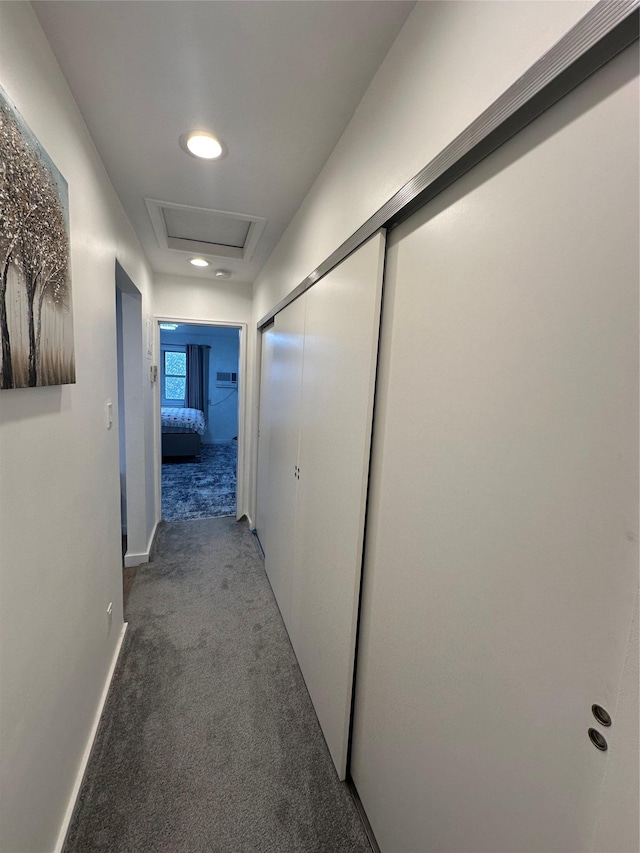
(222, 416)
(207, 300)
(202, 299)
(449, 62)
(60, 559)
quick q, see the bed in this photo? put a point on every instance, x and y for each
(182, 431)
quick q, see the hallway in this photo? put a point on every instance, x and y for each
(420, 223)
(209, 741)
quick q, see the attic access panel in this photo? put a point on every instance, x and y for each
(199, 230)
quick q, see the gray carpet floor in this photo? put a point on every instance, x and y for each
(209, 741)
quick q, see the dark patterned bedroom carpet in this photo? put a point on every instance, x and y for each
(200, 488)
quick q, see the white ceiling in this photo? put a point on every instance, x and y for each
(277, 82)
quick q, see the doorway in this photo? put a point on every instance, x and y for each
(130, 424)
(200, 417)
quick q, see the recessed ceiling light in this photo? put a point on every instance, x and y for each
(199, 262)
(203, 145)
(222, 274)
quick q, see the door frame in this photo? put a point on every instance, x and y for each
(130, 422)
(259, 361)
(242, 398)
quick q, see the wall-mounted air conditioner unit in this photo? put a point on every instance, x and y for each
(226, 380)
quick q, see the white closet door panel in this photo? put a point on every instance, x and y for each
(263, 488)
(284, 414)
(341, 339)
(501, 556)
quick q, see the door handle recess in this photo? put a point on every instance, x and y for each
(604, 718)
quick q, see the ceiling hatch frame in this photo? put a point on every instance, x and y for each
(156, 209)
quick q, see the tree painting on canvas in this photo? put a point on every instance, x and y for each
(36, 319)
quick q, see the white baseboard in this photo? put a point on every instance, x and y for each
(64, 829)
(131, 559)
(135, 559)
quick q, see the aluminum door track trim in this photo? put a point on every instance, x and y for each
(609, 27)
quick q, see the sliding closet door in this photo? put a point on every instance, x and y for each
(501, 555)
(281, 394)
(341, 339)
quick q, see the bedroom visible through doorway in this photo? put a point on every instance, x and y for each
(199, 371)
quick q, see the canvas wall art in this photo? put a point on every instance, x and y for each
(36, 317)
